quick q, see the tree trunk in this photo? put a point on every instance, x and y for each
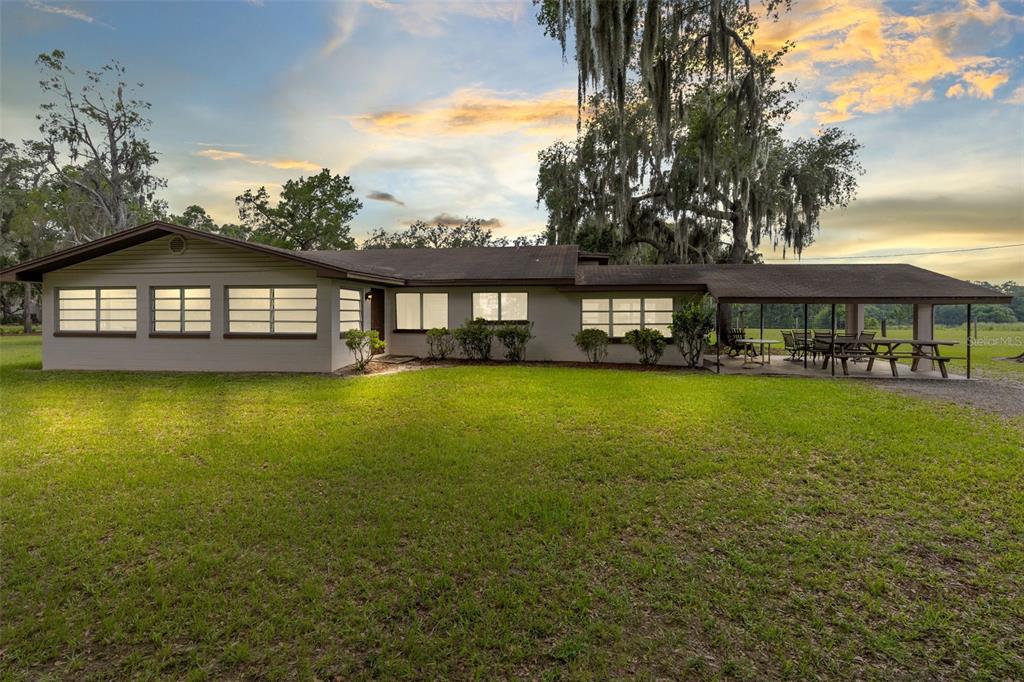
(737, 254)
(739, 238)
(26, 305)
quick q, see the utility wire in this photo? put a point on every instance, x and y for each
(899, 255)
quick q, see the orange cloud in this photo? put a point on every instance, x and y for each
(471, 111)
(283, 164)
(983, 85)
(871, 59)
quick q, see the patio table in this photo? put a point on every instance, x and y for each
(749, 353)
(920, 349)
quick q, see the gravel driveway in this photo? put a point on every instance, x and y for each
(1002, 396)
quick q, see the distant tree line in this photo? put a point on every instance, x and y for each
(819, 316)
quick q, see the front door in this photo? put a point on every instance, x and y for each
(377, 311)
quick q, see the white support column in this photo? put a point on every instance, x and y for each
(854, 318)
(924, 327)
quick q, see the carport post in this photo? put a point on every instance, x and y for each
(806, 340)
(762, 331)
(832, 343)
(718, 336)
(968, 340)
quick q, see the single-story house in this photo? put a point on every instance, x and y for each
(165, 297)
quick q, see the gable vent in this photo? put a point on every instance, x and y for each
(177, 245)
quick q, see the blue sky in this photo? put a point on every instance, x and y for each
(444, 105)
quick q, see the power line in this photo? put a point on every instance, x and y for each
(899, 255)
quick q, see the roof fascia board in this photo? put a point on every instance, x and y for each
(636, 287)
(548, 281)
(959, 300)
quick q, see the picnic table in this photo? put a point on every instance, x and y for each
(845, 348)
(750, 352)
(920, 349)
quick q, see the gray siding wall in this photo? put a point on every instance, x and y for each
(555, 315)
(203, 264)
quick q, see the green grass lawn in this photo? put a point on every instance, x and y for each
(995, 340)
(501, 522)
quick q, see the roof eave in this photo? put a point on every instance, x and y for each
(932, 300)
(537, 281)
(636, 287)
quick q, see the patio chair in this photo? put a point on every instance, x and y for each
(791, 345)
(802, 340)
(863, 351)
(844, 348)
(733, 347)
(821, 345)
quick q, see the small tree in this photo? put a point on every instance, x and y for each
(440, 343)
(364, 345)
(515, 337)
(649, 343)
(691, 325)
(593, 342)
(474, 338)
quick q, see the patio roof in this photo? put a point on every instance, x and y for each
(797, 283)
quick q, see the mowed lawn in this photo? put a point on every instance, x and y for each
(497, 522)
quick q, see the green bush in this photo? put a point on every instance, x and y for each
(440, 343)
(648, 342)
(364, 345)
(515, 337)
(593, 342)
(474, 338)
(692, 325)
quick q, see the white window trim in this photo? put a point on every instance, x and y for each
(419, 297)
(271, 333)
(181, 312)
(611, 312)
(500, 316)
(58, 331)
(362, 306)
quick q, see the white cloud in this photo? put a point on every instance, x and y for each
(68, 12)
(429, 17)
(344, 25)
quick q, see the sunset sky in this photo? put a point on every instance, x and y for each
(439, 108)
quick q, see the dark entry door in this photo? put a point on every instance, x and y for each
(377, 311)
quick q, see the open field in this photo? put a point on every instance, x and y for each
(517, 521)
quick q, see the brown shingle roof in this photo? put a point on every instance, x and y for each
(797, 283)
(552, 264)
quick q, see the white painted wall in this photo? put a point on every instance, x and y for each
(203, 264)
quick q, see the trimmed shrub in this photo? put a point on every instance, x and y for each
(364, 345)
(692, 325)
(648, 342)
(593, 342)
(515, 337)
(474, 338)
(440, 343)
